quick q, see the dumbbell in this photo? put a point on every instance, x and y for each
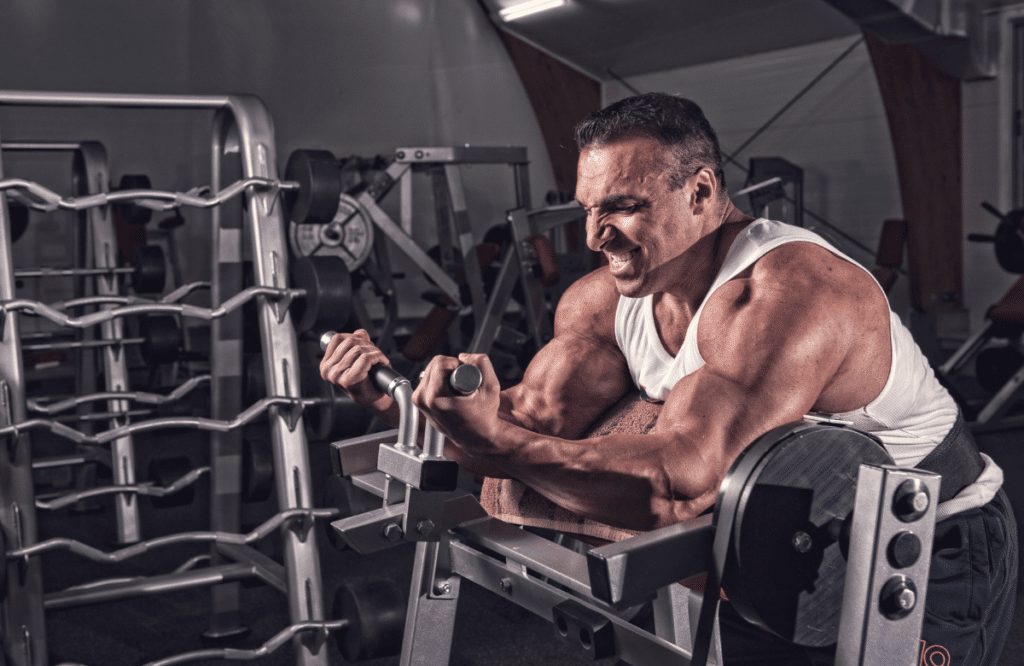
(148, 270)
(160, 340)
(464, 379)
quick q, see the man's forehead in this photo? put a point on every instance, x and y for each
(622, 162)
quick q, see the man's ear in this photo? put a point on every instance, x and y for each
(704, 189)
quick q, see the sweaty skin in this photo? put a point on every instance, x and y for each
(800, 330)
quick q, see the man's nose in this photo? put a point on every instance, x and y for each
(598, 233)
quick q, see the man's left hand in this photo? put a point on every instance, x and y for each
(470, 421)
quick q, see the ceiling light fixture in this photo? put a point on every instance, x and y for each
(526, 8)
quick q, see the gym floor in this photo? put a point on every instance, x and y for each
(489, 630)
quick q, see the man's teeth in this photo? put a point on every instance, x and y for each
(623, 258)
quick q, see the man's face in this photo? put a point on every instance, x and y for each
(633, 216)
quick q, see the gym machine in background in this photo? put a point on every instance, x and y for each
(803, 552)
(337, 213)
(997, 348)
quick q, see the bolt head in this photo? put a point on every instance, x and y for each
(392, 532)
(442, 587)
(505, 585)
(899, 597)
(802, 542)
(425, 526)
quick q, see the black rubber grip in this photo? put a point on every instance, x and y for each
(384, 377)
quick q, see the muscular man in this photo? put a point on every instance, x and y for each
(737, 326)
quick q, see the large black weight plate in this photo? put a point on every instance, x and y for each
(165, 471)
(328, 300)
(805, 476)
(132, 213)
(150, 269)
(319, 176)
(375, 610)
(161, 339)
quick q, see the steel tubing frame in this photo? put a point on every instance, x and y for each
(242, 124)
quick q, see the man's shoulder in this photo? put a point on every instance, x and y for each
(808, 266)
(797, 285)
(589, 305)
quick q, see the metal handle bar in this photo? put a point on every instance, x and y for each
(235, 654)
(148, 307)
(96, 555)
(202, 423)
(44, 199)
(140, 489)
(138, 396)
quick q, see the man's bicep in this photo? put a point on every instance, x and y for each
(571, 382)
(767, 367)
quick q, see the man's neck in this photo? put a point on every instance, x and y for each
(675, 307)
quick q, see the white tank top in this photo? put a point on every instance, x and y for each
(911, 415)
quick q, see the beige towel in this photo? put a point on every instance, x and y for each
(514, 502)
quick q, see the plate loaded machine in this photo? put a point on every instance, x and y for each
(326, 221)
(800, 551)
(243, 139)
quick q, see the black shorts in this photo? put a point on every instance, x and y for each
(972, 590)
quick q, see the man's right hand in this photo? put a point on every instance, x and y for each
(347, 363)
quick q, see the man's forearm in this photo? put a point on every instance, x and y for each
(621, 480)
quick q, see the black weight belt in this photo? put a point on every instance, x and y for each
(956, 458)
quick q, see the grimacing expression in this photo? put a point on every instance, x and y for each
(633, 215)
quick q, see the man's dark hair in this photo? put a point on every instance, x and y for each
(672, 121)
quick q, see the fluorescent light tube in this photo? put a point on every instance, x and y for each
(526, 8)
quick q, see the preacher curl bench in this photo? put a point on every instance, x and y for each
(815, 537)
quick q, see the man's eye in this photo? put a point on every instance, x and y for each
(627, 210)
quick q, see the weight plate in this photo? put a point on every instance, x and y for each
(328, 300)
(161, 339)
(349, 235)
(785, 571)
(375, 610)
(319, 178)
(150, 269)
(257, 468)
(165, 471)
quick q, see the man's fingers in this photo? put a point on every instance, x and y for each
(483, 363)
